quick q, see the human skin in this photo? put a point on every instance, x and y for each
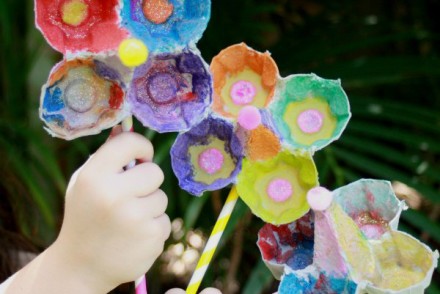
(114, 225)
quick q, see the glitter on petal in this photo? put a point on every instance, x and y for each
(171, 25)
(71, 26)
(82, 97)
(290, 245)
(171, 92)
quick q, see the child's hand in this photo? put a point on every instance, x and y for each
(115, 221)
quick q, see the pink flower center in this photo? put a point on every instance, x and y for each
(279, 190)
(310, 121)
(211, 160)
(249, 117)
(243, 92)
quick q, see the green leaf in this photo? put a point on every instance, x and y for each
(194, 210)
(423, 223)
(376, 150)
(238, 213)
(393, 134)
(380, 170)
(38, 195)
(260, 279)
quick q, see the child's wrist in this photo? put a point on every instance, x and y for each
(79, 276)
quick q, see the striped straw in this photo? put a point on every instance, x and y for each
(213, 242)
(140, 283)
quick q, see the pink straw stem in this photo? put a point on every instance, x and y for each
(141, 283)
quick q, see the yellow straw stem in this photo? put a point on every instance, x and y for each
(213, 242)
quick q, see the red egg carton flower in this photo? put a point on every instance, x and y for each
(80, 25)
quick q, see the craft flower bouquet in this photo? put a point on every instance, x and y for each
(240, 124)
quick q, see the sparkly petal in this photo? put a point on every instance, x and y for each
(298, 170)
(82, 97)
(171, 92)
(242, 76)
(310, 112)
(372, 204)
(80, 25)
(166, 25)
(386, 261)
(189, 165)
(261, 143)
(312, 281)
(288, 245)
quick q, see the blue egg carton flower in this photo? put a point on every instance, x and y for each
(207, 157)
(166, 25)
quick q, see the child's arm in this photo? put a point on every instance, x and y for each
(114, 226)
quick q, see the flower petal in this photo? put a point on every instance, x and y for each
(166, 25)
(207, 157)
(310, 112)
(171, 92)
(275, 189)
(242, 76)
(80, 25)
(289, 245)
(82, 97)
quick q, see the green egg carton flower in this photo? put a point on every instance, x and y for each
(310, 112)
(276, 189)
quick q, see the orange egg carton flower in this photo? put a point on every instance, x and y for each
(242, 77)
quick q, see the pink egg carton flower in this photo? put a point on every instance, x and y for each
(72, 26)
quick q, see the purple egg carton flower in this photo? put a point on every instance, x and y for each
(207, 157)
(171, 92)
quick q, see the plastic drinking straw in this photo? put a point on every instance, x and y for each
(141, 283)
(213, 242)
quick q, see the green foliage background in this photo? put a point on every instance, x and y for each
(385, 52)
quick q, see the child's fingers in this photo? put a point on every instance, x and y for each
(211, 291)
(121, 150)
(153, 205)
(175, 291)
(160, 227)
(141, 180)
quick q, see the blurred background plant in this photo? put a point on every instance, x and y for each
(385, 52)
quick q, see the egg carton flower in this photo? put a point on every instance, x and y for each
(311, 112)
(72, 26)
(207, 157)
(357, 247)
(249, 94)
(169, 93)
(82, 97)
(166, 25)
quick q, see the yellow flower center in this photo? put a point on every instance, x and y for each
(74, 12)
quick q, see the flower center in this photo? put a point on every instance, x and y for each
(211, 160)
(80, 95)
(157, 11)
(279, 190)
(243, 92)
(162, 88)
(74, 12)
(310, 121)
